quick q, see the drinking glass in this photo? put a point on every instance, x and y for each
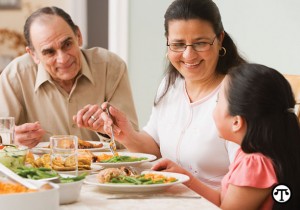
(7, 129)
(64, 153)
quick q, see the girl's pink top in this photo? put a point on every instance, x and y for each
(251, 170)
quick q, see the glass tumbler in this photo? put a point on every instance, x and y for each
(7, 129)
(64, 153)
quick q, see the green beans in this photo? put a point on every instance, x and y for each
(72, 179)
(36, 173)
(140, 180)
(123, 158)
(43, 173)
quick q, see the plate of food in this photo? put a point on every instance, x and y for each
(114, 180)
(106, 159)
(64, 165)
(94, 146)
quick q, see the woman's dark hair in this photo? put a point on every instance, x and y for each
(203, 10)
(46, 11)
(264, 98)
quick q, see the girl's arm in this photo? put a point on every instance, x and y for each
(238, 197)
(235, 198)
(194, 184)
(208, 193)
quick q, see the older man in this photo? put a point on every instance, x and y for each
(49, 89)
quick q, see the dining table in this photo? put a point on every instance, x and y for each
(174, 197)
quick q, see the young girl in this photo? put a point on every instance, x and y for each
(255, 110)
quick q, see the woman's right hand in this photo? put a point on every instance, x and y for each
(122, 127)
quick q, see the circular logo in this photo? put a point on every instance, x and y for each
(281, 193)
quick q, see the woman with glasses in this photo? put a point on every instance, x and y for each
(181, 126)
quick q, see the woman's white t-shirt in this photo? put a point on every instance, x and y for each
(186, 134)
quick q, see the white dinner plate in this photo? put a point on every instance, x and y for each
(132, 154)
(114, 187)
(94, 169)
(42, 147)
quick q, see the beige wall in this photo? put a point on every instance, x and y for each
(15, 19)
(11, 27)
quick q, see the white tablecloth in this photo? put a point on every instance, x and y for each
(173, 198)
(176, 197)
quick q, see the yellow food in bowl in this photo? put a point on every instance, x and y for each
(8, 188)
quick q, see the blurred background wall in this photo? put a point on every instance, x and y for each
(265, 32)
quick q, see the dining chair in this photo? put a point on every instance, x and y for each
(294, 81)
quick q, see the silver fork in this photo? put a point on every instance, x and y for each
(112, 143)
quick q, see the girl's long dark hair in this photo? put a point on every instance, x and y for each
(203, 10)
(263, 97)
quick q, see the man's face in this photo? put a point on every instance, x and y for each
(56, 47)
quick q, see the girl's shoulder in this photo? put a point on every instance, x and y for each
(254, 169)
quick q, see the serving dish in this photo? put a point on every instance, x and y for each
(13, 156)
(43, 199)
(69, 192)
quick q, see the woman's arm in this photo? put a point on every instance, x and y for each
(124, 132)
(143, 142)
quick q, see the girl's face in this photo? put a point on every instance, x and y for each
(222, 118)
(191, 64)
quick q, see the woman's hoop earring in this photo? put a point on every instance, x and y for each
(222, 52)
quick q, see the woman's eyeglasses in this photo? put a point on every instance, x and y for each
(198, 46)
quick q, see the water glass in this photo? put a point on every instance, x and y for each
(64, 153)
(7, 129)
